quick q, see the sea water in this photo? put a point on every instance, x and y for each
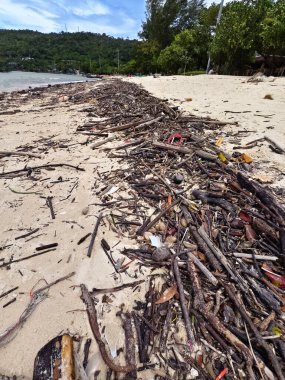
(19, 80)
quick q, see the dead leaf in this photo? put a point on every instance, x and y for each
(167, 295)
(200, 256)
(188, 99)
(246, 158)
(250, 233)
(263, 178)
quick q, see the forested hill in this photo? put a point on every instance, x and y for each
(87, 52)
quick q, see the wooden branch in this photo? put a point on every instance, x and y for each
(156, 219)
(261, 342)
(184, 307)
(203, 269)
(265, 197)
(274, 144)
(127, 145)
(204, 248)
(220, 256)
(30, 168)
(173, 148)
(102, 142)
(135, 125)
(103, 346)
(15, 153)
(205, 155)
(213, 320)
(257, 257)
(94, 234)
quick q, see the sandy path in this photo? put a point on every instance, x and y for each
(230, 98)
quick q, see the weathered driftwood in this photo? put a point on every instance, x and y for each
(102, 142)
(265, 197)
(173, 148)
(136, 125)
(203, 269)
(103, 346)
(94, 234)
(15, 153)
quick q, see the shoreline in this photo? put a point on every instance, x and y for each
(33, 86)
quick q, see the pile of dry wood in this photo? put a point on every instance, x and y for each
(219, 234)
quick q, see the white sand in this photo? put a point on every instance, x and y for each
(220, 97)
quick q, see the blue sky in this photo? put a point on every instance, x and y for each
(120, 18)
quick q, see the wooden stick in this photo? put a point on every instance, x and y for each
(203, 269)
(93, 237)
(219, 255)
(135, 125)
(271, 356)
(258, 257)
(103, 346)
(102, 142)
(173, 148)
(15, 153)
(159, 216)
(265, 197)
(29, 168)
(26, 258)
(204, 248)
(8, 292)
(27, 234)
(273, 143)
(184, 307)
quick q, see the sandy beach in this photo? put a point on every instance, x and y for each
(45, 123)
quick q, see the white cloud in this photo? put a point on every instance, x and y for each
(16, 15)
(51, 15)
(102, 27)
(90, 8)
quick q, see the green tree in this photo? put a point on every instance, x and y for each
(165, 19)
(187, 51)
(235, 41)
(273, 30)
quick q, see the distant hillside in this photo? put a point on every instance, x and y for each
(65, 52)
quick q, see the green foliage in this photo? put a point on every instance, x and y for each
(208, 16)
(188, 50)
(66, 52)
(195, 72)
(273, 30)
(165, 19)
(248, 27)
(163, 47)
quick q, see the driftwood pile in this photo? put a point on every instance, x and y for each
(212, 240)
(219, 235)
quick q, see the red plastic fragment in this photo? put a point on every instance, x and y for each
(222, 374)
(245, 217)
(175, 136)
(276, 279)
